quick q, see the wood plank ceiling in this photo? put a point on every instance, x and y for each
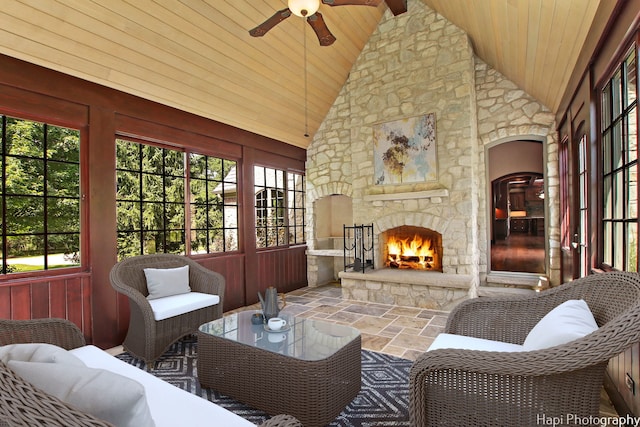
(197, 55)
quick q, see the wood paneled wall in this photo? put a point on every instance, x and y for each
(232, 267)
(67, 297)
(283, 269)
(86, 298)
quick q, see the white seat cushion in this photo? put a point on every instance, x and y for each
(471, 343)
(174, 305)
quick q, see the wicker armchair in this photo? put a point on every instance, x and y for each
(453, 387)
(22, 404)
(147, 339)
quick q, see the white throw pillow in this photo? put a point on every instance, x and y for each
(567, 322)
(38, 352)
(103, 394)
(163, 282)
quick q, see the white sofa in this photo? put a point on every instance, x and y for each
(28, 392)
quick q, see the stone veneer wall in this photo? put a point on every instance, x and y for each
(507, 113)
(413, 64)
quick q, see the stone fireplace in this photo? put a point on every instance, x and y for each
(436, 281)
(412, 248)
(442, 207)
(414, 65)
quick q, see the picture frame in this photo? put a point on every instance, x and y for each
(404, 151)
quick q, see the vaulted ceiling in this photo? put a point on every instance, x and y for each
(197, 55)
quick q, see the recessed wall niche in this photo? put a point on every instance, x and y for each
(331, 213)
(326, 258)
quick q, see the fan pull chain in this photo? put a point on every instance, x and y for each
(306, 108)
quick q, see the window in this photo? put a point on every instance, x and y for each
(279, 207)
(620, 167)
(296, 208)
(583, 207)
(39, 196)
(214, 204)
(565, 205)
(151, 201)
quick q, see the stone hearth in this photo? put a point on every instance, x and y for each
(410, 288)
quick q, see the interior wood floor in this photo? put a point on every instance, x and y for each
(519, 252)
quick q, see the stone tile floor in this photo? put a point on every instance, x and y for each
(400, 331)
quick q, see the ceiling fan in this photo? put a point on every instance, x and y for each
(308, 9)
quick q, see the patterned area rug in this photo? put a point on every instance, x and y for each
(382, 401)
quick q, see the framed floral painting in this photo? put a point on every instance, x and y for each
(405, 151)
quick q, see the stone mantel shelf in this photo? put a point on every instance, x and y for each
(426, 194)
(410, 277)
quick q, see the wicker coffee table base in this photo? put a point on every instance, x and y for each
(315, 392)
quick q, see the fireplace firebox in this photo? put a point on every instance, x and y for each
(412, 248)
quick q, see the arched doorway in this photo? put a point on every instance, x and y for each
(517, 221)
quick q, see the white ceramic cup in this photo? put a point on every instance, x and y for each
(276, 338)
(276, 323)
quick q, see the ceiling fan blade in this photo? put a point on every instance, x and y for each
(277, 18)
(397, 6)
(352, 2)
(322, 31)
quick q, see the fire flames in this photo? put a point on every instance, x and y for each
(415, 253)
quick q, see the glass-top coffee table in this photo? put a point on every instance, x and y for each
(310, 369)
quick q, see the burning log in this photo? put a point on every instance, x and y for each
(415, 253)
(411, 262)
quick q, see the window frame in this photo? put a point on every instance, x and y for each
(223, 182)
(566, 234)
(283, 210)
(612, 175)
(298, 211)
(186, 202)
(76, 123)
(583, 192)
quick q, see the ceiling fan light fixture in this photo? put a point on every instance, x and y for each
(304, 8)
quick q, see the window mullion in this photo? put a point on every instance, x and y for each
(45, 193)
(224, 198)
(141, 196)
(4, 192)
(187, 202)
(165, 220)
